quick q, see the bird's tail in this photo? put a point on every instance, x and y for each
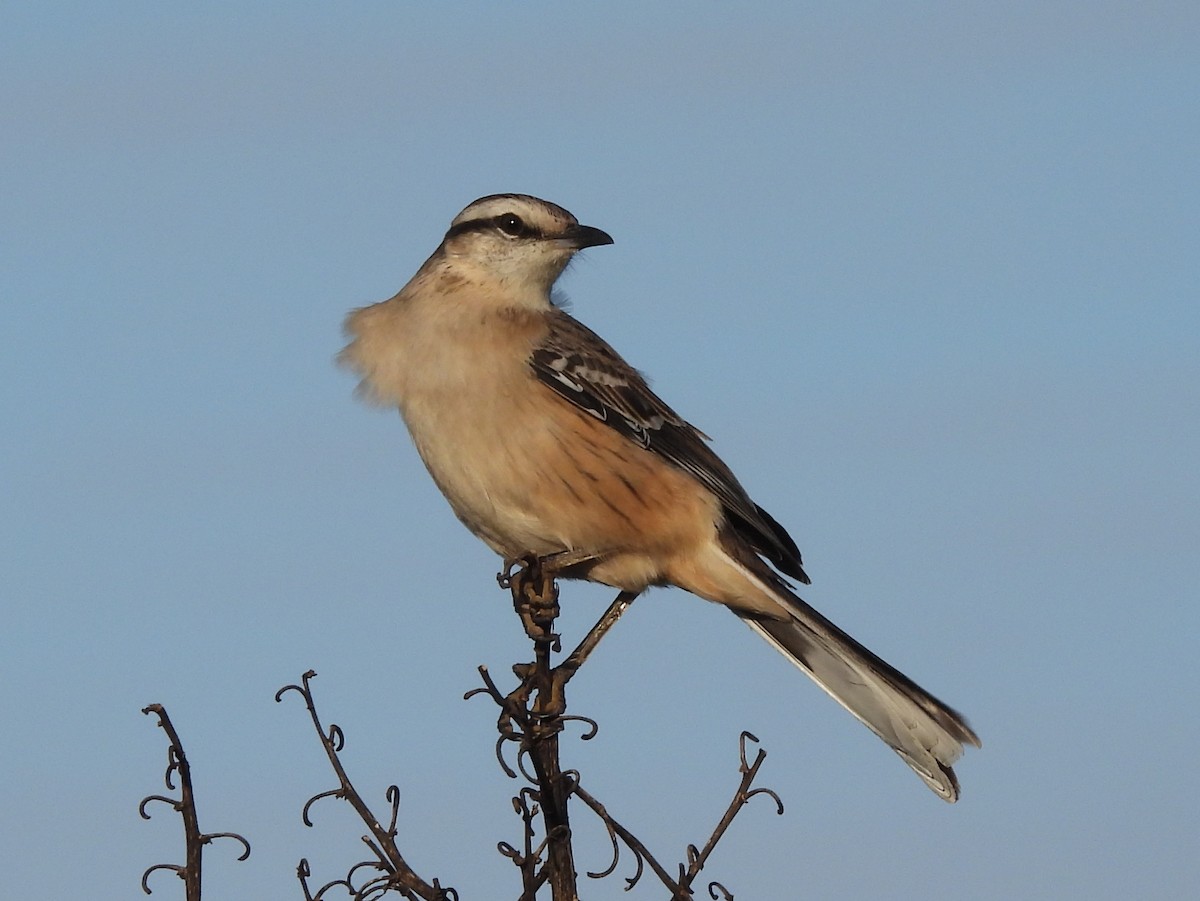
(927, 734)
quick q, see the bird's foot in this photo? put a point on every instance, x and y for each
(535, 596)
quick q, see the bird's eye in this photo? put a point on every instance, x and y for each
(511, 224)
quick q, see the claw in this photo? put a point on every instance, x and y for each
(534, 594)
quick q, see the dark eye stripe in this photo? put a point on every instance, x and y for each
(490, 223)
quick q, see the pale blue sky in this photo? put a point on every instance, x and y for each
(927, 273)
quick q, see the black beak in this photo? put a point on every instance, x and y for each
(581, 236)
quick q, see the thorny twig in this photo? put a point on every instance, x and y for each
(397, 876)
(741, 797)
(681, 888)
(194, 839)
(533, 715)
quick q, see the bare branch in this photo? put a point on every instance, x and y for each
(641, 854)
(194, 839)
(398, 876)
(532, 717)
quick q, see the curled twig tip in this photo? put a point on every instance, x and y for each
(770, 794)
(393, 797)
(163, 798)
(508, 771)
(749, 736)
(593, 728)
(332, 793)
(279, 694)
(208, 837)
(174, 868)
(523, 756)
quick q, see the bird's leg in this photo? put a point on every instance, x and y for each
(565, 670)
(562, 561)
(552, 699)
(535, 598)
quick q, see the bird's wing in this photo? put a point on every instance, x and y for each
(579, 366)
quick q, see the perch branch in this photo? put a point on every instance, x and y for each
(533, 715)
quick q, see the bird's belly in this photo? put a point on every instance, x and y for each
(528, 473)
(468, 449)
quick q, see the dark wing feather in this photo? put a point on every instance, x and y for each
(579, 366)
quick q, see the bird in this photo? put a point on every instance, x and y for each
(547, 443)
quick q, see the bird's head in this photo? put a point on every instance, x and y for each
(517, 240)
